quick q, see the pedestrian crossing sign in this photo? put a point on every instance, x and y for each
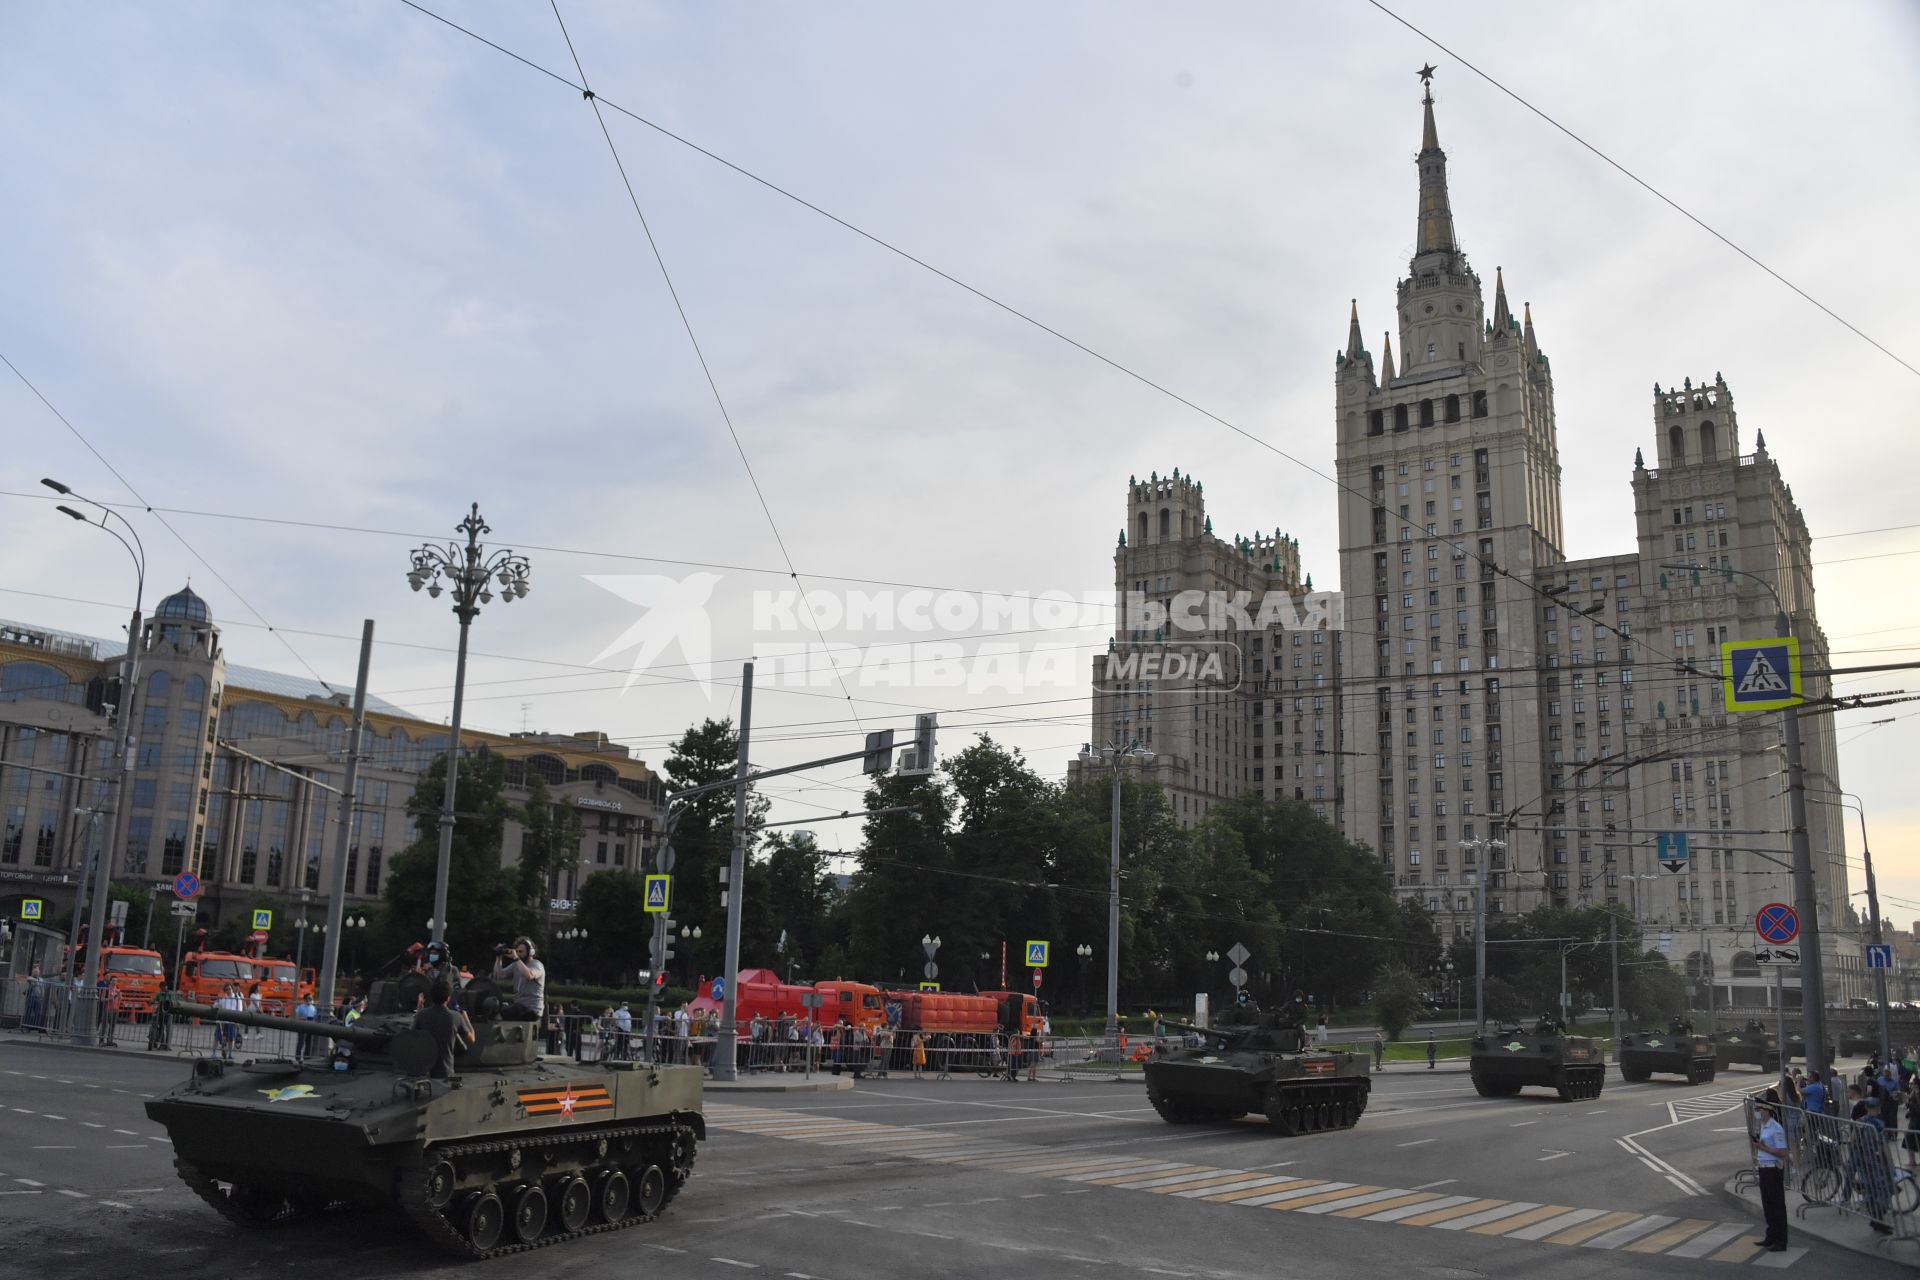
(262, 919)
(1036, 955)
(1761, 675)
(657, 893)
(929, 986)
(30, 908)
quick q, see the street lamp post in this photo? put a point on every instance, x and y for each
(1114, 755)
(1613, 940)
(1085, 952)
(695, 934)
(122, 723)
(1483, 848)
(470, 572)
(1859, 806)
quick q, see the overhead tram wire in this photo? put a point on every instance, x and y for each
(1112, 363)
(603, 553)
(1651, 190)
(164, 523)
(687, 324)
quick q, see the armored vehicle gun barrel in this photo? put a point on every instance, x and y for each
(376, 1036)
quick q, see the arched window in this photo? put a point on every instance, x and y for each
(1744, 965)
(193, 690)
(1399, 417)
(1376, 422)
(1709, 443)
(1453, 408)
(548, 767)
(1676, 445)
(1479, 404)
(1426, 413)
(597, 773)
(1140, 534)
(158, 685)
(37, 680)
(253, 720)
(1166, 524)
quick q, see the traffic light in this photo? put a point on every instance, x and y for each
(879, 752)
(660, 979)
(920, 759)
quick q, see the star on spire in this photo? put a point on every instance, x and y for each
(1426, 77)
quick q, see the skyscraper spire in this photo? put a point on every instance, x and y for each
(1502, 318)
(1435, 233)
(1386, 367)
(1526, 329)
(1355, 347)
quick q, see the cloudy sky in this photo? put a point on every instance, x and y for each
(344, 266)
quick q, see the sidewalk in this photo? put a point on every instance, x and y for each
(1830, 1225)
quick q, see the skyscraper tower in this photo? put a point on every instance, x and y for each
(1450, 502)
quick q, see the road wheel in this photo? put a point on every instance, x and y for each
(441, 1180)
(651, 1190)
(529, 1213)
(483, 1220)
(613, 1196)
(573, 1200)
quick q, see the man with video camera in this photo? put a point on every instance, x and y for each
(529, 978)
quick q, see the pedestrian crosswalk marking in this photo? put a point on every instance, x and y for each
(1595, 1227)
(1625, 1231)
(1761, 677)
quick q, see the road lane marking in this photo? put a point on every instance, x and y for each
(1558, 1155)
(735, 1262)
(1418, 1142)
(1426, 1186)
(115, 1204)
(1346, 1201)
(77, 1195)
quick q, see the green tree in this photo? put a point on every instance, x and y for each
(1396, 998)
(787, 909)
(611, 907)
(484, 902)
(549, 844)
(702, 839)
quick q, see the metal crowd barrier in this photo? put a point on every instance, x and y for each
(1852, 1167)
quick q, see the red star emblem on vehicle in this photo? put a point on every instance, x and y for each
(566, 1102)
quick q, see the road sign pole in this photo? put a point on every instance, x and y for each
(1813, 1006)
(726, 1044)
(1780, 1009)
(337, 874)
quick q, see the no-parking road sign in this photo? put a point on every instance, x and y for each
(1777, 923)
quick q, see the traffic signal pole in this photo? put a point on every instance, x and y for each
(1813, 1005)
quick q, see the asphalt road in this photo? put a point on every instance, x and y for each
(906, 1179)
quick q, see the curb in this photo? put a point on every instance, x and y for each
(1872, 1246)
(832, 1084)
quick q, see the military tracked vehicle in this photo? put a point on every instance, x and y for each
(1797, 1048)
(1509, 1058)
(512, 1152)
(1675, 1051)
(1751, 1046)
(1258, 1061)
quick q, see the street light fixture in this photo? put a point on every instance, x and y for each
(471, 572)
(122, 723)
(1114, 756)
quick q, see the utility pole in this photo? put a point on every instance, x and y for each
(1813, 1008)
(337, 882)
(728, 1041)
(1613, 944)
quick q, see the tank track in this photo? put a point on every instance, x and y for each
(1580, 1084)
(1316, 1108)
(254, 1210)
(412, 1185)
(1175, 1111)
